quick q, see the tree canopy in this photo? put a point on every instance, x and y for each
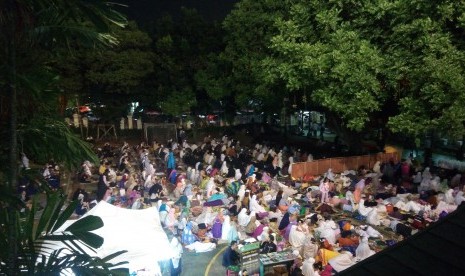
(399, 61)
(182, 48)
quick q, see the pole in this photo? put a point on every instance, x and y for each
(11, 22)
(79, 115)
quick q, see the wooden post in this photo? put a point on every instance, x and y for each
(130, 123)
(121, 123)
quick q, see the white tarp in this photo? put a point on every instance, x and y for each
(137, 231)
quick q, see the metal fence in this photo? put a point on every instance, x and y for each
(340, 164)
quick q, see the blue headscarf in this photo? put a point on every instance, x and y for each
(171, 161)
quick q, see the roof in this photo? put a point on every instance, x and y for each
(437, 250)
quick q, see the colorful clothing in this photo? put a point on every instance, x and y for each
(217, 228)
(325, 255)
(187, 235)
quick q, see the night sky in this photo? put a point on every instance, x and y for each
(148, 10)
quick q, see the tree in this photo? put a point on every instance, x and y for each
(24, 27)
(235, 76)
(121, 69)
(112, 75)
(181, 48)
(388, 61)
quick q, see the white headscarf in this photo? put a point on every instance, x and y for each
(363, 250)
(264, 236)
(254, 206)
(448, 196)
(307, 267)
(210, 186)
(291, 161)
(459, 198)
(329, 174)
(377, 167)
(224, 168)
(226, 227)
(243, 219)
(177, 251)
(238, 174)
(241, 192)
(296, 238)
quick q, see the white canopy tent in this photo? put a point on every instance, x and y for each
(139, 232)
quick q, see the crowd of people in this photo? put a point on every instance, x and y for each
(220, 191)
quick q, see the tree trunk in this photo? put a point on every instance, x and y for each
(13, 153)
(428, 151)
(345, 136)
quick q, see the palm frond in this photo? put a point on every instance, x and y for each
(48, 138)
(64, 216)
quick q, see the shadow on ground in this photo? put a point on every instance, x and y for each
(195, 264)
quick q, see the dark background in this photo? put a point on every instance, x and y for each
(148, 10)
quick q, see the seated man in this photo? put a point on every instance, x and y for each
(231, 256)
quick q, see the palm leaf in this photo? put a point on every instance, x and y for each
(75, 246)
(89, 238)
(52, 200)
(88, 223)
(114, 255)
(65, 215)
(29, 224)
(56, 212)
(48, 138)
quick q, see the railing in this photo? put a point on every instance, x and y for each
(340, 164)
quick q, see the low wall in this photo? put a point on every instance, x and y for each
(340, 164)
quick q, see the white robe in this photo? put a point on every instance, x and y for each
(226, 227)
(242, 218)
(373, 218)
(363, 250)
(373, 233)
(238, 174)
(291, 161)
(449, 198)
(224, 168)
(241, 192)
(328, 231)
(342, 261)
(210, 186)
(362, 209)
(307, 267)
(255, 206)
(177, 250)
(296, 238)
(459, 198)
(201, 246)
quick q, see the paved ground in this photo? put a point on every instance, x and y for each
(197, 264)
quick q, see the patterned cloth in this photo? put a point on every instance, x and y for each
(187, 235)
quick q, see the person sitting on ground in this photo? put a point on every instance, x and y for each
(231, 256)
(284, 203)
(296, 266)
(268, 246)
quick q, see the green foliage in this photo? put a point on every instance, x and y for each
(30, 31)
(120, 69)
(398, 61)
(45, 139)
(43, 249)
(182, 51)
(179, 102)
(249, 29)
